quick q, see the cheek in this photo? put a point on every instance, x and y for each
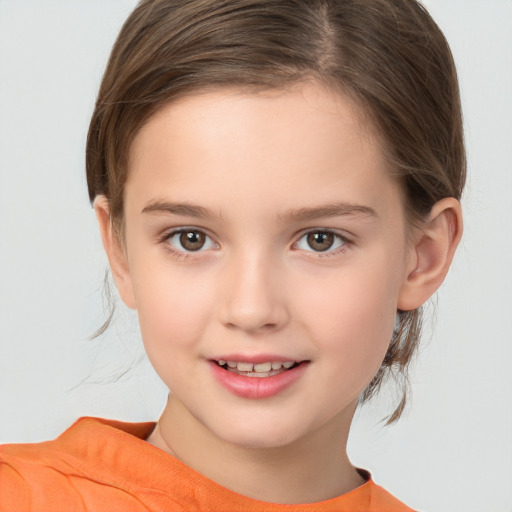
(172, 307)
(351, 319)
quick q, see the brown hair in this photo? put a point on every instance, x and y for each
(388, 55)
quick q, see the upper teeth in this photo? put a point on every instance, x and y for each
(261, 367)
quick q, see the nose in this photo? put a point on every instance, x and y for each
(254, 298)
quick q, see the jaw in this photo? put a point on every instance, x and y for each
(277, 464)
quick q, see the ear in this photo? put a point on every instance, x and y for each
(434, 247)
(115, 252)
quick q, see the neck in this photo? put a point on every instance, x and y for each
(313, 468)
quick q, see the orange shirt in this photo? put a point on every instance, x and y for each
(106, 466)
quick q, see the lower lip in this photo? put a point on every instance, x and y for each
(257, 387)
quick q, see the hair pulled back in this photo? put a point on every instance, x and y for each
(387, 55)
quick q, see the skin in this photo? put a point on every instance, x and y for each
(253, 163)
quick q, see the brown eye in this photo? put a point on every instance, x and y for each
(188, 240)
(320, 241)
(192, 240)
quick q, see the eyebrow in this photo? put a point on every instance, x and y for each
(184, 209)
(341, 209)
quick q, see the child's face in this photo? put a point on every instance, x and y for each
(293, 248)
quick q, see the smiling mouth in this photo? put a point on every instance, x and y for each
(267, 369)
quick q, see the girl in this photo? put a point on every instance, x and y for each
(276, 185)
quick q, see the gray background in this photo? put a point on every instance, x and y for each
(453, 449)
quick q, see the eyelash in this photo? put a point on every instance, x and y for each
(345, 243)
(182, 254)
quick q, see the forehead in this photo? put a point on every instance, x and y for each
(307, 105)
(288, 144)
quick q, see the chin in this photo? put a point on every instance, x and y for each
(261, 441)
(258, 435)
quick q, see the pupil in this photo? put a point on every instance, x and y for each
(192, 240)
(320, 241)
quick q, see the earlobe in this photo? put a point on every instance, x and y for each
(115, 252)
(434, 249)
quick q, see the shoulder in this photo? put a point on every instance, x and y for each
(381, 500)
(80, 468)
(369, 497)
